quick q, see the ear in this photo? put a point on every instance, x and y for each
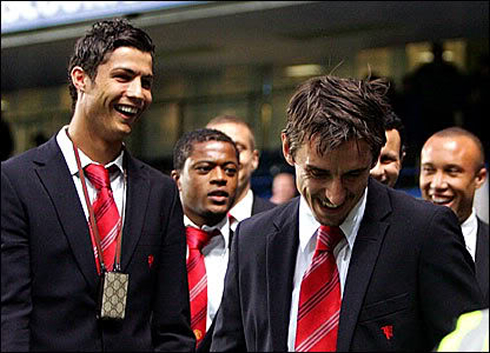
(480, 177)
(176, 176)
(255, 159)
(285, 150)
(79, 78)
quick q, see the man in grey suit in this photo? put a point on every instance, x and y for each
(452, 168)
(65, 233)
(389, 286)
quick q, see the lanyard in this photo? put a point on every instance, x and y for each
(94, 231)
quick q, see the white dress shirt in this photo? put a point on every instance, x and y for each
(470, 230)
(216, 255)
(308, 226)
(242, 210)
(117, 179)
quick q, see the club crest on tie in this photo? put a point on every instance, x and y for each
(198, 334)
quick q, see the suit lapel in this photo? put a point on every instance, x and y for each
(136, 204)
(364, 255)
(282, 246)
(55, 176)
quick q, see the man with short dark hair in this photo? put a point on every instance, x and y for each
(351, 264)
(93, 243)
(206, 164)
(247, 203)
(391, 157)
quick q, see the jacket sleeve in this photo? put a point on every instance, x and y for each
(16, 276)
(228, 331)
(171, 316)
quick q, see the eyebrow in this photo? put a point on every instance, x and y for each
(130, 71)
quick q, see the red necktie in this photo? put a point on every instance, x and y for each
(319, 301)
(105, 212)
(196, 274)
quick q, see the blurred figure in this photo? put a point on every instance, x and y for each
(283, 188)
(390, 160)
(451, 170)
(206, 173)
(7, 140)
(246, 203)
(470, 334)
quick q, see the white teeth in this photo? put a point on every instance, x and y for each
(128, 109)
(329, 205)
(440, 201)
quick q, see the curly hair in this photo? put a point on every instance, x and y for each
(185, 145)
(102, 39)
(335, 110)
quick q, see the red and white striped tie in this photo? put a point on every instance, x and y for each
(319, 301)
(106, 214)
(196, 274)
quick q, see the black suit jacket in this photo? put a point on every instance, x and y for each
(409, 269)
(49, 278)
(259, 205)
(481, 259)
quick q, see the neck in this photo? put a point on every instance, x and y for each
(95, 147)
(240, 195)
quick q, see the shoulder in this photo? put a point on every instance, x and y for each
(260, 204)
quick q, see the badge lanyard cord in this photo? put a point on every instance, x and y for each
(93, 224)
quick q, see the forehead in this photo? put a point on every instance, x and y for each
(212, 151)
(238, 132)
(454, 149)
(130, 58)
(350, 155)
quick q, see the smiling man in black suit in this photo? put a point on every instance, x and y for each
(350, 264)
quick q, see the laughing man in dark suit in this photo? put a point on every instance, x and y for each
(403, 272)
(51, 271)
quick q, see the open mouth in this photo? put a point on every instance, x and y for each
(218, 196)
(441, 200)
(127, 110)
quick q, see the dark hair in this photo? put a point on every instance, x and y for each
(185, 145)
(102, 39)
(393, 122)
(335, 110)
(223, 119)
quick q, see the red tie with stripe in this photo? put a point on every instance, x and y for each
(105, 212)
(196, 274)
(319, 301)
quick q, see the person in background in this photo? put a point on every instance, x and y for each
(247, 203)
(452, 168)
(206, 164)
(390, 160)
(352, 264)
(7, 140)
(81, 216)
(283, 188)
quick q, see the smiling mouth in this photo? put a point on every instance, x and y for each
(127, 110)
(330, 206)
(439, 200)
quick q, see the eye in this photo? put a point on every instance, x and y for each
(427, 170)
(203, 169)
(146, 82)
(230, 171)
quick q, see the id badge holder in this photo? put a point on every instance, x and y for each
(112, 295)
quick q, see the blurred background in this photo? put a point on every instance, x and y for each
(247, 57)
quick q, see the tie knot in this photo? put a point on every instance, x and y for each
(98, 176)
(198, 238)
(328, 237)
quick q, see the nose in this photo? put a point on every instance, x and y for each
(378, 171)
(219, 176)
(438, 181)
(335, 192)
(135, 90)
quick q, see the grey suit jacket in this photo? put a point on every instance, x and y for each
(49, 278)
(409, 270)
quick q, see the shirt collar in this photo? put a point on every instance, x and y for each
(223, 226)
(243, 209)
(308, 225)
(66, 147)
(469, 229)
